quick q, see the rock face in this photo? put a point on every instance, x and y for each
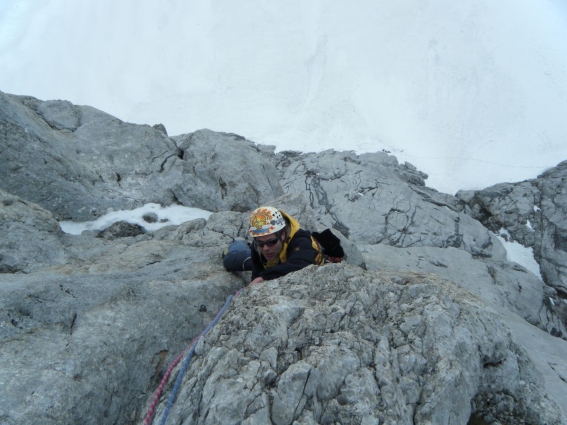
(244, 175)
(80, 163)
(28, 236)
(373, 200)
(441, 328)
(501, 284)
(534, 212)
(339, 345)
(380, 204)
(83, 342)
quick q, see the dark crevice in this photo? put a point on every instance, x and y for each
(162, 166)
(476, 420)
(73, 320)
(175, 200)
(492, 364)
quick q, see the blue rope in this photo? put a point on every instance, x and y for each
(188, 359)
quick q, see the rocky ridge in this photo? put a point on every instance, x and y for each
(94, 320)
(534, 213)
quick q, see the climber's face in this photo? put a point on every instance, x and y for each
(270, 245)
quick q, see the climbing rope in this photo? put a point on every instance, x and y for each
(188, 352)
(164, 380)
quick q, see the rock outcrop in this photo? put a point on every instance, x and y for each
(441, 328)
(372, 199)
(382, 206)
(339, 345)
(534, 212)
(83, 342)
(501, 284)
(29, 236)
(80, 163)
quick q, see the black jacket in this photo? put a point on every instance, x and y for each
(300, 254)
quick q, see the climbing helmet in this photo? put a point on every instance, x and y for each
(265, 221)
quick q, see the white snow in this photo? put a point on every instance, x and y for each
(529, 225)
(472, 93)
(518, 253)
(172, 215)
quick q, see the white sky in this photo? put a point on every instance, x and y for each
(473, 93)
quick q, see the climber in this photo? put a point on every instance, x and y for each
(280, 246)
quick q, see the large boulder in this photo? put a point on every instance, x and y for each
(336, 344)
(239, 175)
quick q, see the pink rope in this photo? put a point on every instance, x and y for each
(163, 382)
(157, 394)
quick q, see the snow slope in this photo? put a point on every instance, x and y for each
(472, 93)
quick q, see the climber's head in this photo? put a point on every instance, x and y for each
(269, 229)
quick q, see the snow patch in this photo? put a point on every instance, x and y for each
(166, 216)
(518, 253)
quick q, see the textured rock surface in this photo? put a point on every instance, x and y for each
(243, 175)
(88, 325)
(534, 212)
(28, 236)
(371, 199)
(86, 341)
(336, 344)
(501, 284)
(79, 163)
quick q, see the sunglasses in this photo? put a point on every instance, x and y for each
(271, 242)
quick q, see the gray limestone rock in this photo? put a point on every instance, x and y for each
(150, 218)
(85, 342)
(237, 174)
(88, 325)
(500, 284)
(534, 212)
(367, 199)
(121, 229)
(553, 251)
(230, 223)
(80, 163)
(336, 344)
(28, 236)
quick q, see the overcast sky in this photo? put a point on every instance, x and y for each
(473, 93)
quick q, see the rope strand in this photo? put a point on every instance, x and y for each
(188, 359)
(189, 352)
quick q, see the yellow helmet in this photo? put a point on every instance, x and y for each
(265, 221)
